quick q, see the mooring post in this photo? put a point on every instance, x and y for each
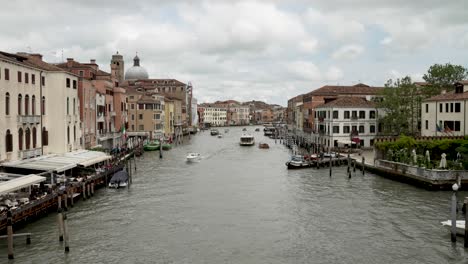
(65, 201)
(349, 161)
(453, 233)
(92, 188)
(363, 167)
(354, 165)
(83, 189)
(134, 161)
(160, 150)
(10, 234)
(60, 223)
(330, 165)
(65, 233)
(466, 223)
(28, 239)
(72, 190)
(89, 189)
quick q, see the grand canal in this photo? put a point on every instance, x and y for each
(241, 205)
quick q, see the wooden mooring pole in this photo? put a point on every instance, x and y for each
(363, 167)
(65, 233)
(466, 223)
(10, 234)
(330, 165)
(60, 222)
(453, 233)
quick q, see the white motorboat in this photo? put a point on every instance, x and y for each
(220, 136)
(460, 224)
(120, 179)
(191, 157)
(298, 162)
(247, 140)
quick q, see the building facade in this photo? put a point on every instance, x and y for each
(215, 116)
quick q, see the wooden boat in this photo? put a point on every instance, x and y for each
(192, 157)
(214, 132)
(460, 224)
(257, 129)
(263, 146)
(152, 146)
(244, 129)
(298, 162)
(166, 146)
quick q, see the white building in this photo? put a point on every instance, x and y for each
(346, 121)
(446, 114)
(216, 116)
(194, 112)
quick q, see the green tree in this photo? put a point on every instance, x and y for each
(401, 107)
(442, 77)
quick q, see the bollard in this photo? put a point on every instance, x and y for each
(160, 151)
(466, 224)
(10, 234)
(354, 165)
(89, 189)
(363, 168)
(60, 223)
(65, 233)
(330, 165)
(65, 201)
(453, 233)
(92, 188)
(349, 163)
(71, 197)
(134, 162)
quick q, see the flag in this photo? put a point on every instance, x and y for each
(124, 133)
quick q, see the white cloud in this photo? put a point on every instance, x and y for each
(348, 52)
(386, 41)
(304, 70)
(338, 26)
(334, 74)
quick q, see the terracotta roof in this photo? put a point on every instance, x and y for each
(349, 102)
(146, 99)
(101, 72)
(74, 64)
(39, 63)
(335, 90)
(448, 96)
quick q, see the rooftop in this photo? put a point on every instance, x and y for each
(357, 102)
(335, 90)
(448, 96)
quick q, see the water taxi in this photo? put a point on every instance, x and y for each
(192, 157)
(247, 140)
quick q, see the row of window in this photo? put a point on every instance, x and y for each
(346, 114)
(446, 126)
(26, 104)
(349, 129)
(449, 108)
(25, 137)
(68, 83)
(19, 78)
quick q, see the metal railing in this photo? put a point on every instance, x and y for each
(29, 153)
(29, 119)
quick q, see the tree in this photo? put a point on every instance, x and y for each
(442, 77)
(401, 107)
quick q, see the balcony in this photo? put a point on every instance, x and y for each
(29, 119)
(29, 153)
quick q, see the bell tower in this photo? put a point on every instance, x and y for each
(117, 67)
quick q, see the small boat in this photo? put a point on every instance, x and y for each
(247, 140)
(226, 130)
(214, 132)
(298, 162)
(263, 146)
(257, 129)
(151, 147)
(244, 129)
(120, 179)
(460, 224)
(220, 136)
(191, 157)
(166, 146)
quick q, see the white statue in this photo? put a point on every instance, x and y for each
(443, 161)
(415, 157)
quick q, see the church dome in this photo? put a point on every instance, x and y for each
(136, 72)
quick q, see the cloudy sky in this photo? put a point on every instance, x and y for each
(243, 50)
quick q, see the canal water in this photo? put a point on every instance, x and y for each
(241, 205)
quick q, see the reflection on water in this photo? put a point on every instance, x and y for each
(241, 205)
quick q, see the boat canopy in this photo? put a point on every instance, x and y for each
(19, 183)
(120, 176)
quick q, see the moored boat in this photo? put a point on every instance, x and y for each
(191, 157)
(247, 140)
(220, 136)
(119, 179)
(298, 162)
(460, 224)
(152, 146)
(214, 132)
(257, 129)
(166, 146)
(263, 146)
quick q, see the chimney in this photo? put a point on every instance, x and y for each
(36, 56)
(93, 61)
(69, 62)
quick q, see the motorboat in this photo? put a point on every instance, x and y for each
(247, 140)
(120, 179)
(263, 146)
(152, 146)
(257, 129)
(244, 129)
(298, 162)
(269, 131)
(330, 154)
(460, 224)
(166, 146)
(191, 157)
(220, 136)
(214, 132)
(226, 130)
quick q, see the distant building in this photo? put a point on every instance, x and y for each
(215, 116)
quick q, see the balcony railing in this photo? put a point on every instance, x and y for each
(29, 119)
(29, 153)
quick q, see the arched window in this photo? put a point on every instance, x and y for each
(20, 139)
(74, 106)
(26, 104)
(34, 137)
(45, 137)
(68, 134)
(9, 141)
(33, 105)
(28, 138)
(19, 104)
(68, 106)
(7, 104)
(74, 133)
(43, 106)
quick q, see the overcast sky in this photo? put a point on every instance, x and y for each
(244, 50)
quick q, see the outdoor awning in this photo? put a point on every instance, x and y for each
(346, 142)
(19, 183)
(94, 161)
